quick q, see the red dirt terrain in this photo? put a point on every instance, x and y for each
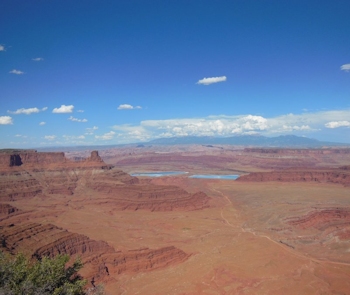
(29, 175)
(282, 228)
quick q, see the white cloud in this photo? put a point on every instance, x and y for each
(63, 109)
(90, 131)
(44, 109)
(72, 137)
(42, 123)
(50, 137)
(80, 111)
(345, 67)
(298, 124)
(77, 120)
(38, 59)
(5, 120)
(16, 72)
(128, 107)
(208, 81)
(106, 136)
(2, 48)
(26, 111)
(337, 124)
(20, 135)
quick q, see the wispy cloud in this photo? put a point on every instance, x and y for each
(42, 123)
(345, 67)
(38, 59)
(6, 120)
(50, 137)
(77, 120)
(80, 111)
(73, 137)
(27, 111)
(212, 80)
(2, 47)
(63, 109)
(90, 131)
(128, 107)
(337, 124)
(16, 72)
(106, 136)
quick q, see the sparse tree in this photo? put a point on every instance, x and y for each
(46, 276)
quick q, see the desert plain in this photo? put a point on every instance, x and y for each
(283, 227)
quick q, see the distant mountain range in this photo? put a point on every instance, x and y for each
(250, 140)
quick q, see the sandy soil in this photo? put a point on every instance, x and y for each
(244, 243)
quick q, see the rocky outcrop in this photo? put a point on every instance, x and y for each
(340, 176)
(140, 260)
(149, 197)
(15, 185)
(100, 259)
(31, 159)
(116, 187)
(322, 218)
(47, 240)
(6, 209)
(329, 223)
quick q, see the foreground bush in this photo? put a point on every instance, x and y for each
(18, 275)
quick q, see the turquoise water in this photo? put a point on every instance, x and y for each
(213, 176)
(158, 174)
(173, 173)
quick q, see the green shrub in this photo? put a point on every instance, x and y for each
(20, 276)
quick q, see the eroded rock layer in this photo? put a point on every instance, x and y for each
(6, 209)
(100, 259)
(324, 224)
(120, 189)
(322, 219)
(340, 176)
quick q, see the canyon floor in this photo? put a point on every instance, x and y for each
(273, 234)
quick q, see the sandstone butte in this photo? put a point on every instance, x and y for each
(30, 174)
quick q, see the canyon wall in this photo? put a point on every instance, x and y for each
(100, 260)
(340, 176)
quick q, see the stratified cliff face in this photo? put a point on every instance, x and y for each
(340, 176)
(100, 259)
(329, 223)
(59, 176)
(48, 160)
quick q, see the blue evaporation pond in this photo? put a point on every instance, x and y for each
(213, 176)
(158, 174)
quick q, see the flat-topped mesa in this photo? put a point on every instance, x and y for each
(32, 159)
(94, 157)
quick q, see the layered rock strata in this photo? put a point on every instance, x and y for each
(100, 259)
(329, 221)
(67, 178)
(340, 176)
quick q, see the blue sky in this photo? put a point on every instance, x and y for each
(112, 72)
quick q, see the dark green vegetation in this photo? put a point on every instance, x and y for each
(18, 275)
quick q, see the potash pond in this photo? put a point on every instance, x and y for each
(175, 173)
(158, 174)
(214, 176)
